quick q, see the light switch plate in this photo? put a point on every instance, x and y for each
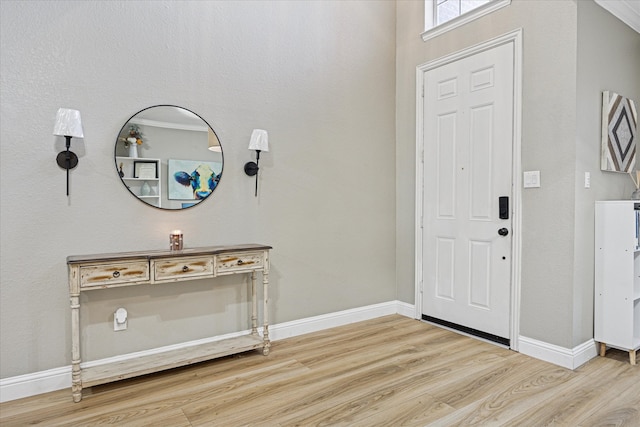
(531, 179)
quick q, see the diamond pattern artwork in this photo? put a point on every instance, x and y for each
(619, 130)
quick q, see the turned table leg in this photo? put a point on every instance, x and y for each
(74, 299)
(254, 305)
(76, 379)
(265, 332)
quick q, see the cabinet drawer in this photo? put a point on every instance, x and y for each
(113, 274)
(175, 269)
(239, 261)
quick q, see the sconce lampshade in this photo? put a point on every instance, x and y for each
(68, 123)
(214, 142)
(259, 140)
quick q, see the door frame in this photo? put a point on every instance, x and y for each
(514, 37)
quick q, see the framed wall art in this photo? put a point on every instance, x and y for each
(619, 130)
(145, 169)
(192, 179)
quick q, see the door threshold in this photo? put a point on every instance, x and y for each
(465, 330)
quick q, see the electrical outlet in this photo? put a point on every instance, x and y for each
(120, 320)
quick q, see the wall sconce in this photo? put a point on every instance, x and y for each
(69, 125)
(259, 142)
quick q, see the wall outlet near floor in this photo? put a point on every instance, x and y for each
(120, 320)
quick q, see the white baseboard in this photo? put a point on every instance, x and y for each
(331, 320)
(561, 356)
(406, 309)
(35, 383)
(60, 378)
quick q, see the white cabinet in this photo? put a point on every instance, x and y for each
(617, 276)
(142, 177)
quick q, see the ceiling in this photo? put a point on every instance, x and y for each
(628, 11)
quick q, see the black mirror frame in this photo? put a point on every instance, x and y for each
(115, 156)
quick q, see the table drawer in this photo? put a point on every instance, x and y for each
(239, 261)
(175, 269)
(114, 274)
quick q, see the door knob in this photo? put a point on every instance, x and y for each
(503, 231)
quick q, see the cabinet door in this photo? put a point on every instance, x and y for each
(616, 274)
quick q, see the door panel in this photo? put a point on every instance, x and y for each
(480, 274)
(446, 268)
(481, 171)
(446, 149)
(468, 128)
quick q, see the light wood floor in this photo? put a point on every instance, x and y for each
(391, 371)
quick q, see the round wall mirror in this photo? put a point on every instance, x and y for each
(169, 157)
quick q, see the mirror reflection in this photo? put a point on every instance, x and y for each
(169, 157)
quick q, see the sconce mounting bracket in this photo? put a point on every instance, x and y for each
(67, 159)
(251, 168)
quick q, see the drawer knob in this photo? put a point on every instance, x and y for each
(240, 262)
(116, 274)
(185, 269)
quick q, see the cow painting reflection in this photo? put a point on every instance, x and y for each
(185, 148)
(192, 179)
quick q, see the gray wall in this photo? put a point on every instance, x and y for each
(557, 228)
(319, 76)
(608, 59)
(337, 188)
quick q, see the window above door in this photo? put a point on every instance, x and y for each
(444, 15)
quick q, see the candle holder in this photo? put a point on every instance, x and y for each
(175, 240)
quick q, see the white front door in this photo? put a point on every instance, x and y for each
(468, 145)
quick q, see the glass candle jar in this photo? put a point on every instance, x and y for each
(175, 240)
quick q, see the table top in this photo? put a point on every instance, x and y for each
(165, 253)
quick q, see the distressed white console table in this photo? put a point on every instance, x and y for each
(102, 271)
